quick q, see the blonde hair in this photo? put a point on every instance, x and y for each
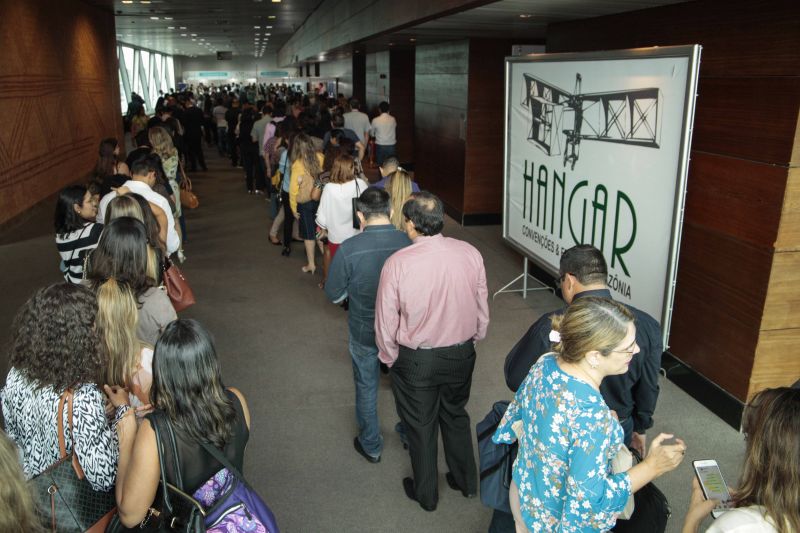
(124, 206)
(590, 323)
(161, 142)
(399, 189)
(303, 149)
(17, 506)
(117, 318)
(343, 169)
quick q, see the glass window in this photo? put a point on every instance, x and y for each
(127, 56)
(170, 72)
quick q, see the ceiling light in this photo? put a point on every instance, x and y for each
(183, 27)
(183, 35)
(268, 27)
(257, 27)
(170, 27)
(167, 18)
(127, 1)
(525, 16)
(144, 1)
(412, 40)
(271, 17)
(153, 18)
(194, 35)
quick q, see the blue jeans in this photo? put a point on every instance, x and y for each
(222, 140)
(382, 151)
(366, 374)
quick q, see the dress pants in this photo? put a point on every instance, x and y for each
(194, 147)
(431, 389)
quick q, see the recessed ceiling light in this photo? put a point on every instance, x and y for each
(412, 40)
(183, 35)
(127, 1)
(257, 27)
(525, 16)
(153, 18)
(276, 1)
(268, 27)
(167, 18)
(271, 17)
(183, 27)
(144, 1)
(194, 35)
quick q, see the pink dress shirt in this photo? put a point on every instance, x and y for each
(431, 294)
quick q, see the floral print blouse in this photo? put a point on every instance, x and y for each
(563, 468)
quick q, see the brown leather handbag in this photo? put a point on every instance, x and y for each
(178, 289)
(67, 501)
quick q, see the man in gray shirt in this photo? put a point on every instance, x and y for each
(357, 121)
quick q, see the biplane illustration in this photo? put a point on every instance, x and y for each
(560, 120)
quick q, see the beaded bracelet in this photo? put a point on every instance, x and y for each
(119, 412)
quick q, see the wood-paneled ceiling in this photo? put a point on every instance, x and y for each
(260, 27)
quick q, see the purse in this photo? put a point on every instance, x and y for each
(496, 461)
(178, 289)
(66, 500)
(304, 189)
(622, 462)
(240, 508)
(651, 513)
(189, 199)
(356, 220)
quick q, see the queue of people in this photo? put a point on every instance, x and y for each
(109, 344)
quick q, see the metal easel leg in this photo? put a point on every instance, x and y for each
(524, 277)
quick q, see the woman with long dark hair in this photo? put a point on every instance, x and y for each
(188, 389)
(55, 347)
(108, 163)
(77, 233)
(124, 255)
(767, 498)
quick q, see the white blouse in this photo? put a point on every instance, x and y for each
(335, 212)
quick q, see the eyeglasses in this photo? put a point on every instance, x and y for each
(630, 352)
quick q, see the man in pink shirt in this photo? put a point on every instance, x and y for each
(431, 307)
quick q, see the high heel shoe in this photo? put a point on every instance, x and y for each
(307, 269)
(286, 251)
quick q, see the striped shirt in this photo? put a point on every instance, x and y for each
(73, 248)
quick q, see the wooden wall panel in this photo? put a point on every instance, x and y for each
(754, 38)
(401, 78)
(483, 181)
(776, 363)
(59, 93)
(748, 118)
(439, 114)
(744, 137)
(740, 199)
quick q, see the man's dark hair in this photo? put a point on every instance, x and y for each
(374, 202)
(337, 120)
(143, 166)
(384, 107)
(586, 263)
(426, 212)
(355, 104)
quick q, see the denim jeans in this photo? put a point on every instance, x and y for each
(222, 140)
(382, 151)
(366, 374)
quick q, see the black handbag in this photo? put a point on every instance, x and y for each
(66, 500)
(651, 509)
(356, 220)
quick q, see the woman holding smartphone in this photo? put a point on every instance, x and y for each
(568, 437)
(768, 497)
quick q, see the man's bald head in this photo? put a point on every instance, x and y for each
(426, 212)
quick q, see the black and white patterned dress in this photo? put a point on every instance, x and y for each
(30, 415)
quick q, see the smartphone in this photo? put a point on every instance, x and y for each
(713, 485)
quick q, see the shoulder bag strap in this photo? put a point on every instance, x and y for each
(154, 418)
(67, 398)
(223, 460)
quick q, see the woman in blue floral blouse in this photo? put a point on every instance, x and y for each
(568, 436)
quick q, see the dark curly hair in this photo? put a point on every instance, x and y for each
(54, 342)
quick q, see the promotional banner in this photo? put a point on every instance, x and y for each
(597, 149)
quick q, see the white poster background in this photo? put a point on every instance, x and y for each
(627, 186)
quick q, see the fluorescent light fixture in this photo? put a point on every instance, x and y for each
(127, 1)
(170, 27)
(256, 27)
(183, 27)
(153, 18)
(271, 17)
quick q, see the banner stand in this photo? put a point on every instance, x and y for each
(524, 277)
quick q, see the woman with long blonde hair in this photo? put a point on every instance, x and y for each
(129, 362)
(306, 168)
(162, 144)
(17, 507)
(399, 187)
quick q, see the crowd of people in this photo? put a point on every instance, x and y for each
(109, 343)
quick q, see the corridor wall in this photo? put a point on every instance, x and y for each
(736, 318)
(59, 95)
